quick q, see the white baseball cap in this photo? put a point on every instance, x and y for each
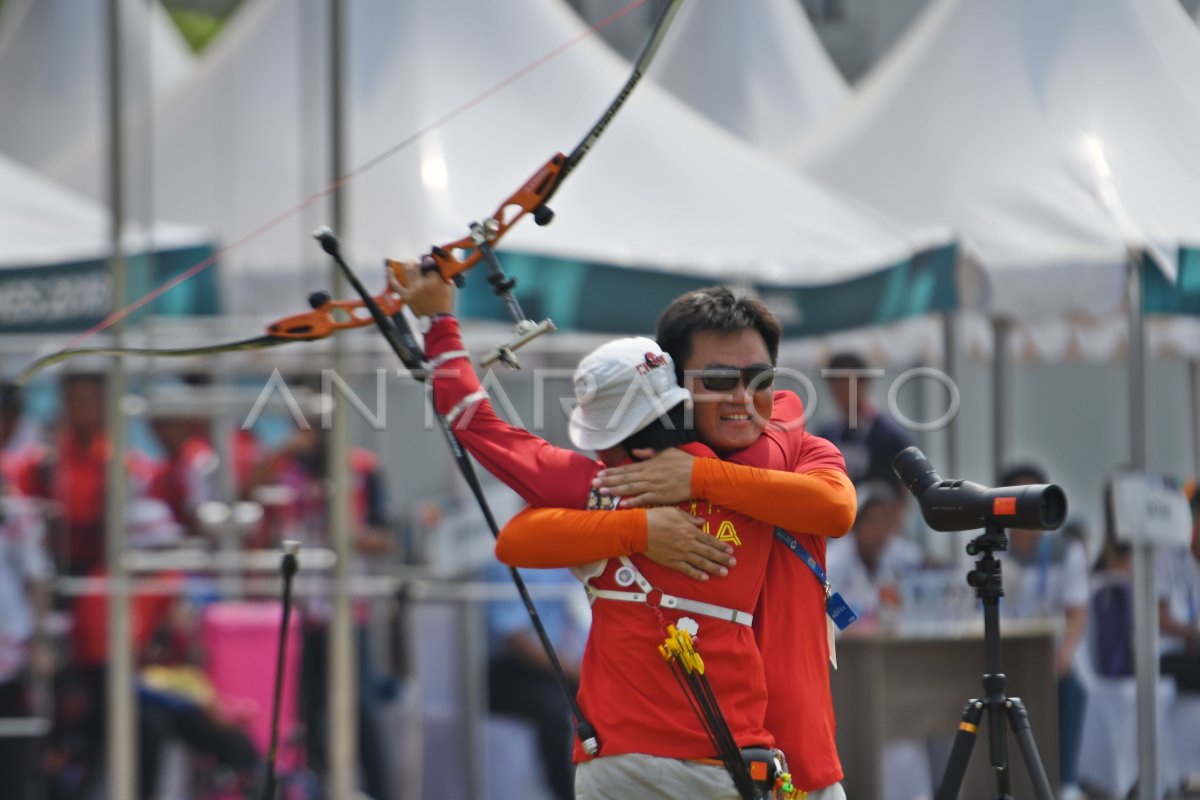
(621, 387)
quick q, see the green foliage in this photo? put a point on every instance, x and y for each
(197, 27)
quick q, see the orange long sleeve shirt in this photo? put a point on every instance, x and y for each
(820, 502)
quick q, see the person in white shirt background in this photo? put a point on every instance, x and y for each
(1046, 577)
(865, 566)
(1179, 608)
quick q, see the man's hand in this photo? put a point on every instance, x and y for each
(427, 293)
(677, 540)
(661, 480)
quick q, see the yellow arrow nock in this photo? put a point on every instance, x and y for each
(678, 645)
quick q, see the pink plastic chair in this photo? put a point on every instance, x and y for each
(241, 641)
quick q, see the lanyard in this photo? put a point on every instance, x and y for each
(805, 556)
(837, 608)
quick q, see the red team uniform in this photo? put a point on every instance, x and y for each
(627, 690)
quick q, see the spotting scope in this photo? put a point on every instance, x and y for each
(963, 505)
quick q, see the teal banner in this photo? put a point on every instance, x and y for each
(602, 298)
(1160, 296)
(72, 296)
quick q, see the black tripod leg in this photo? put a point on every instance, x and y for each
(1018, 718)
(960, 755)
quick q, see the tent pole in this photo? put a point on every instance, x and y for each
(1001, 375)
(343, 648)
(120, 730)
(1145, 600)
(950, 367)
(1194, 385)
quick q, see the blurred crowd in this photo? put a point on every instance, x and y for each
(54, 637)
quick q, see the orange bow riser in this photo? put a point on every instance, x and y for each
(330, 316)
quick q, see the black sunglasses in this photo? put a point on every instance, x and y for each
(755, 377)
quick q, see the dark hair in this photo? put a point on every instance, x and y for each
(669, 430)
(1016, 472)
(95, 379)
(876, 492)
(713, 308)
(1111, 548)
(847, 361)
(12, 402)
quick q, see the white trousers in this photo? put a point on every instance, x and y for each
(636, 775)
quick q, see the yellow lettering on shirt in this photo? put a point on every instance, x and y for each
(727, 533)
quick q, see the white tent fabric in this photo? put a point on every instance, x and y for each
(42, 224)
(237, 146)
(53, 244)
(756, 69)
(1054, 135)
(242, 142)
(53, 68)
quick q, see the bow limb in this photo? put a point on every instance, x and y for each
(649, 50)
(324, 321)
(42, 363)
(460, 255)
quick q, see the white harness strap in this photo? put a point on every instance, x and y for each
(667, 600)
(449, 355)
(464, 404)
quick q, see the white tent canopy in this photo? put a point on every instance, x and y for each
(42, 224)
(53, 70)
(1054, 136)
(241, 143)
(756, 69)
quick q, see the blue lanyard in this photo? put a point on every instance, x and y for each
(805, 556)
(835, 606)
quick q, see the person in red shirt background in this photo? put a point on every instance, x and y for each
(71, 473)
(187, 477)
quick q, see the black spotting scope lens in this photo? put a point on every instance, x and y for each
(963, 505)
(914, 470)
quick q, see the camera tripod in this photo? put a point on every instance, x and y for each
(989, 588)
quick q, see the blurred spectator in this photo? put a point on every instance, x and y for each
(1046, 576)
(174, 702)
(11, 408)
(302, 467)
(188, 476)
(18, 442)
(868, 438)
(72, 473)
(1179, 608)
(865, 566)
(246, 453)
(521, 682)
(1111, 606)
(25, 571)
